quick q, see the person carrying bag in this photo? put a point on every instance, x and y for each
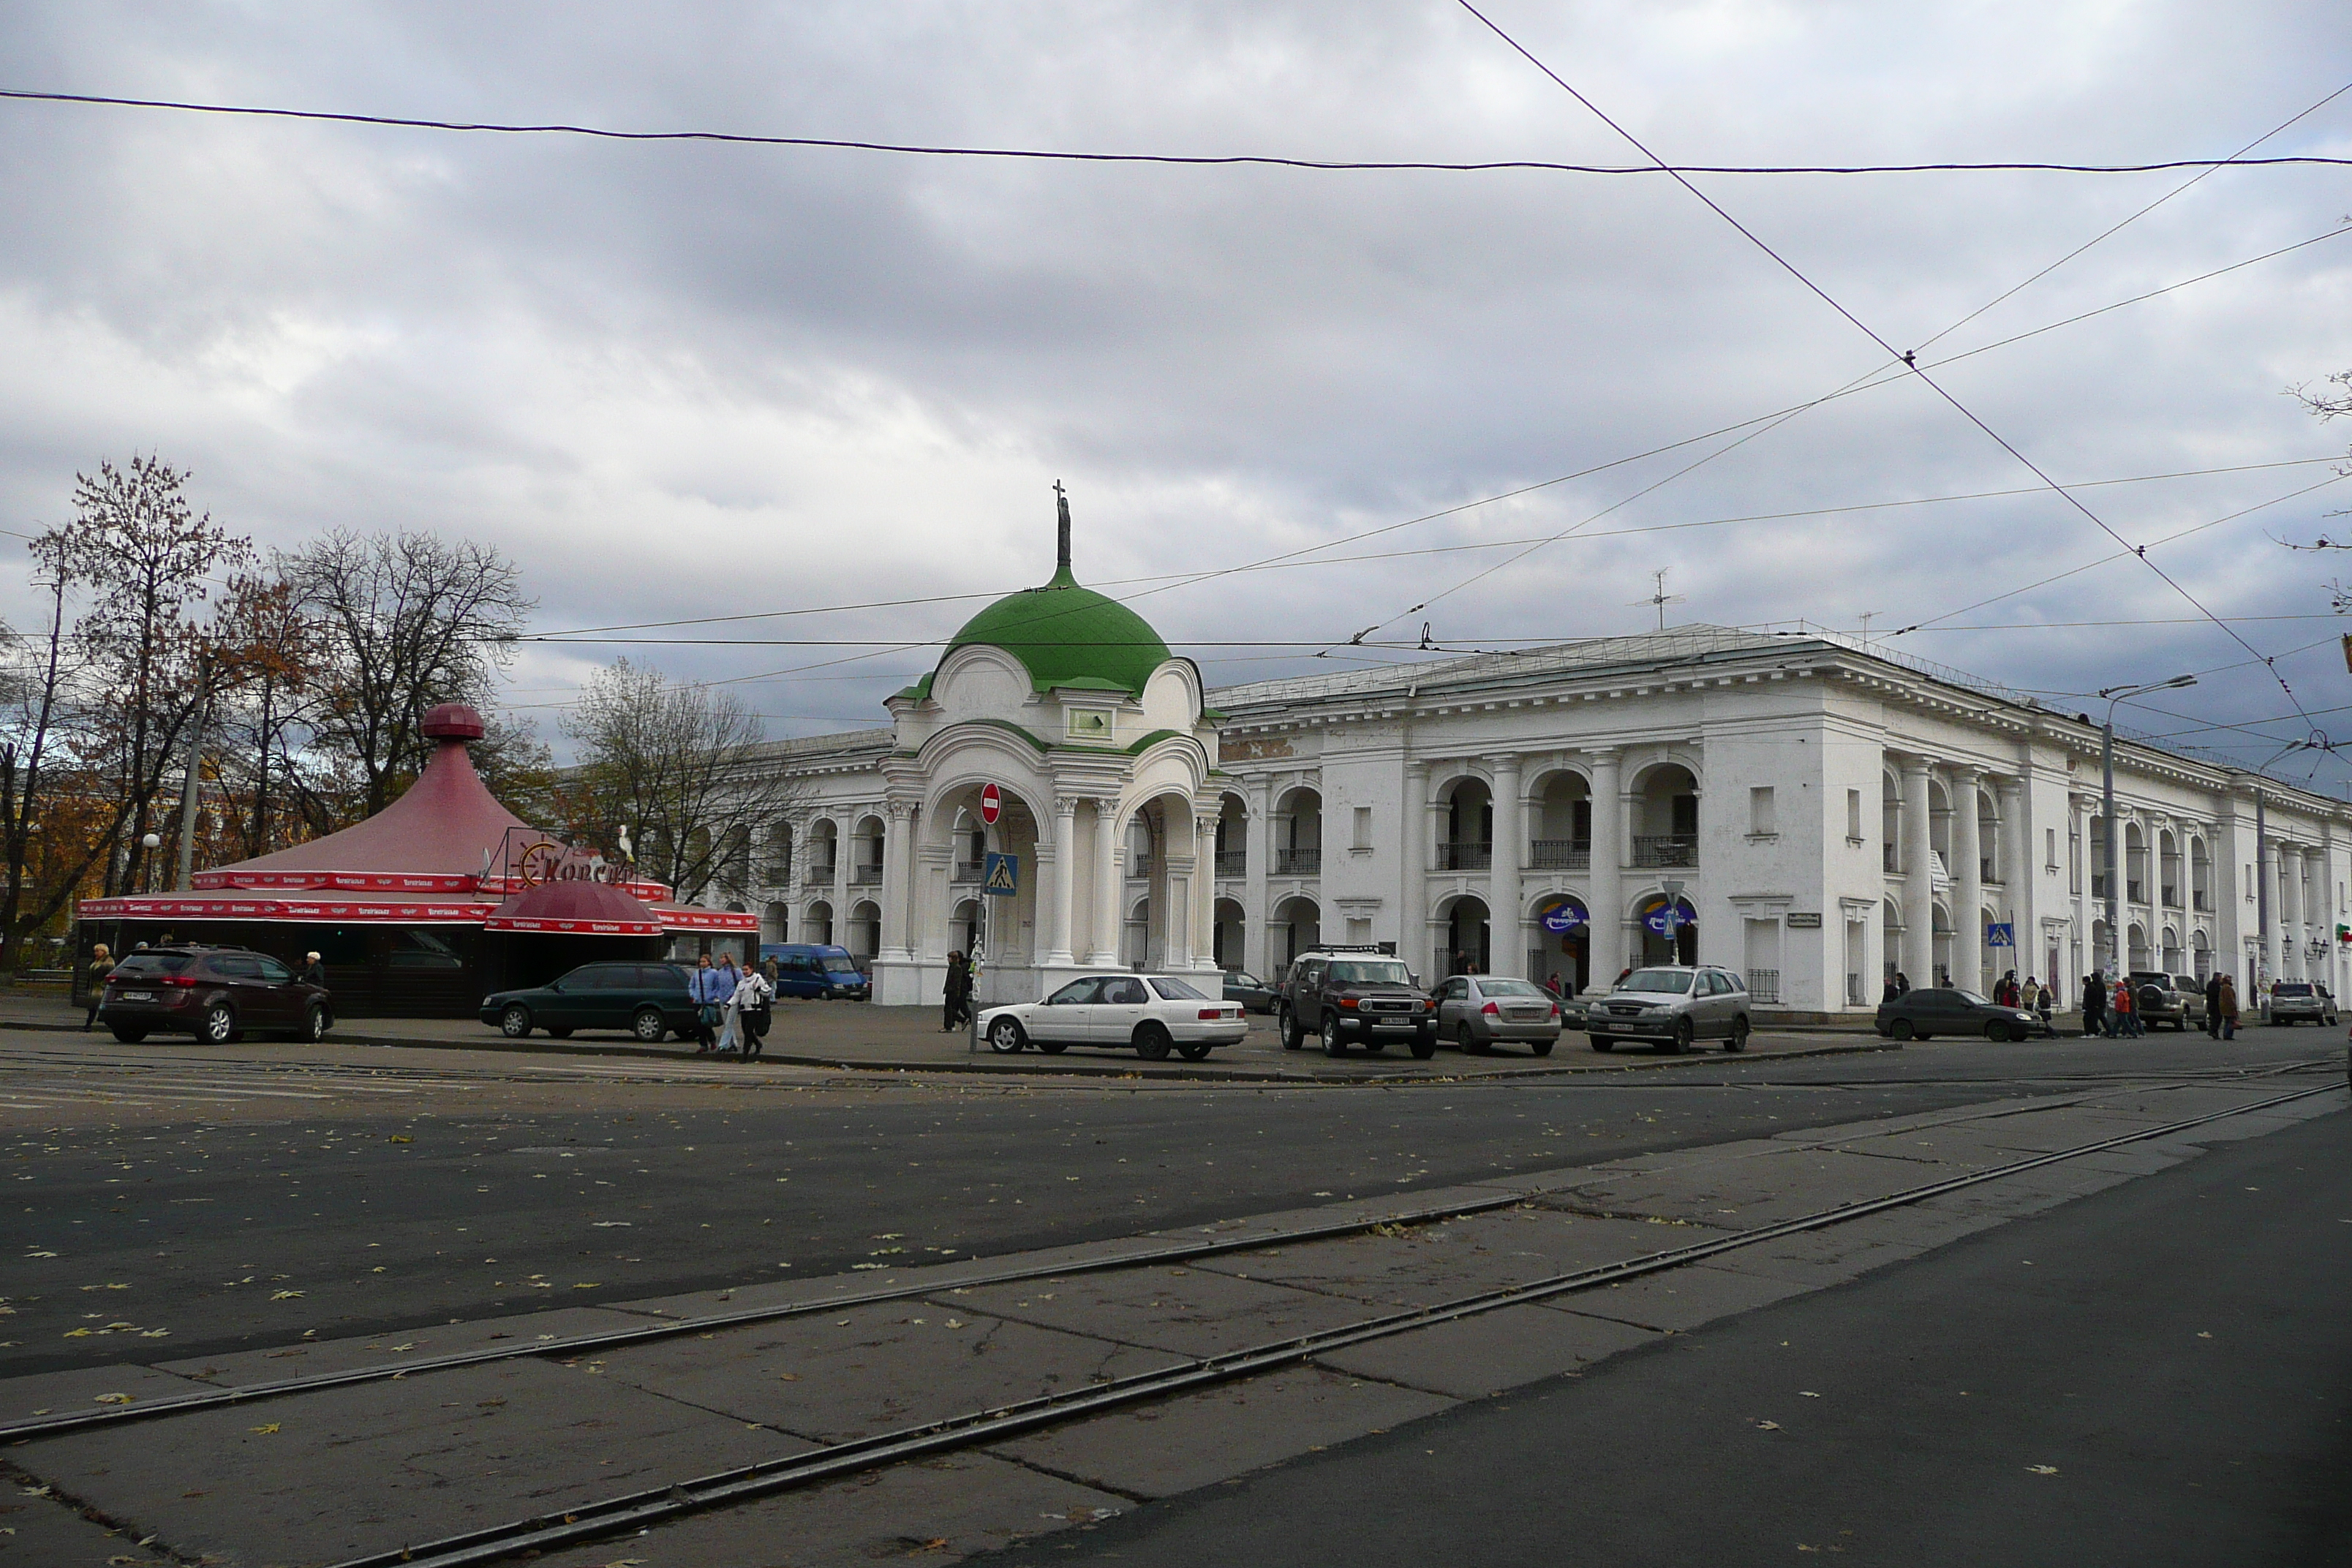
(753, 995)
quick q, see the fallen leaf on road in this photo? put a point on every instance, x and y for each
(2043, 1469)
(265, 1431)
(2203, 1335)
(1806, 1394)
(285, 1295)
(1768, 1425)
(40, 1254)
(613, 1223)
(112, 1398)
(401, 1137)
(788, 1377)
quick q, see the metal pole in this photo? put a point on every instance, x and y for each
(188, 782)
(2261, 899)
(2107, 811)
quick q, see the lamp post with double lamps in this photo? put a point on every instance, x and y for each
(2115, 694)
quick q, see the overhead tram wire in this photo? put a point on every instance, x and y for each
(1909, 359)
(1179, 159)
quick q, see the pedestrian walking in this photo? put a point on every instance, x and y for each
(2028, 995)
(101, 964)
(2125, 1009)
(2042, 1009)
(731, 1019)
(313, 972)
(2095, 1004)
(2213, 1006)
(750, 1007)
(708, 991)
(2225, 1004)
(955, 997)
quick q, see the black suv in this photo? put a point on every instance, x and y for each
(213, 993)
(1358, 994)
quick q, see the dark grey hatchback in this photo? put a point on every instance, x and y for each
(1930, 1011)
(648, 1000)
(213, 993)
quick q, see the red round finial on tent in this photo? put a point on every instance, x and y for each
(451, 722)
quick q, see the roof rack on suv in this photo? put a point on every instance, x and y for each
(1385, 949)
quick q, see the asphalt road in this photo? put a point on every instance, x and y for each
(157, 1234)
(2155, 1375)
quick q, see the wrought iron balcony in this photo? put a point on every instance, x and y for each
(1232, 863)
(1764, 987)
(820, 876)
(1299, 862)
(779, 875)
(965, 871)
(1464, 856)
(865, 876)
(1560, 855)
(1654, 849)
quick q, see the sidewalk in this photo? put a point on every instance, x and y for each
(854, 1036)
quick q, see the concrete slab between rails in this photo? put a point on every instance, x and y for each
(935, 1510)
(44, 1531)
(374, 1468)
(1491, 1354)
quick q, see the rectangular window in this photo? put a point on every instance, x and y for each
(1853, 815)
(1759, 810)
(2049, 852)
(1363, 827)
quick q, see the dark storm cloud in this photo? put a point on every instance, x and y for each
(675, 379)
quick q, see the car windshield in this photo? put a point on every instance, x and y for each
(1177, 990)
(1507, 988)
(1369, 972)
(144, 963)
(840, 966)
(1972, 998)
(2290, 988)
(1658, 982)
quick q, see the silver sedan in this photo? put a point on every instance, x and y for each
(1474, 1011)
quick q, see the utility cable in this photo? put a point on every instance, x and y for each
(1036, 154)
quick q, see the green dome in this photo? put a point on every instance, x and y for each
(1066, 636)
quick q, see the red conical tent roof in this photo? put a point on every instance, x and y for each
(439, 836)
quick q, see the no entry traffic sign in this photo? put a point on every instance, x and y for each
(992, 803)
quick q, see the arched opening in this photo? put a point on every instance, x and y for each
(1135, 935)
(1003, 928)
(2135, 869)
(2168, 873)
(2101, 963)
(1467, 934)
(1890, 941)
(2170, 951)
(1989, 866)
(1669, 929)
(818, 928)
(1941, 947)
(1890, 827)
(2099, 859)
(1160, 844)
(963, 926)
(2200, 956)
(1299, 834)
(865, 933)
(2201, 877)
(2135, 952)
(1665, 817)
(1468, 843)
(968, 847)
(866, 854)
(1991, 962)
(1563, 943)
(779, 857)
(1228, 933)
(1939, 834)
(1296, 926)
(824, 852)
(1233, 843)
(1562, 818)
(776, 922)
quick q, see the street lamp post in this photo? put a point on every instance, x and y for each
(2115, 694)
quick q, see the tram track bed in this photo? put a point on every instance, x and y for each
(961, 1406)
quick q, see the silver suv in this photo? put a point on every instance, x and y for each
(2301, 1001)
(1673, 1005)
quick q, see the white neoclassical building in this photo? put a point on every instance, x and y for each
(1819, 814)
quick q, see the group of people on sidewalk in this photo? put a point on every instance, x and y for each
(2111, 1008)
(732, 1007)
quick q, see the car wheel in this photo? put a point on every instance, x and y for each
(1737, 1039)
(1194, 1050)
(1424, 1045)
(1467, 1042)
(1603, 1042)
(515, 1022)
(219, 1026)
(1680, 1041)
(1333, 1045)
(1901, 1029)
(1997, 1031)
(1542, 1047)
(648, 1025)
(1005, 1036)
(314, 1024)
(128, 1034)
(1151, 1043)
(1286, 1023)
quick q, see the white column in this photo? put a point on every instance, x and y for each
(1507, 927)
(1607, 894)
(1257, 858)
(1918, 964)
(1968, 883)
(897, 892)
(1205, 884)
(1066, 876)
(1413, 862)
(1109, 887)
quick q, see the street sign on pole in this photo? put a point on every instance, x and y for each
(999, 875)
(992, 803)
(2001, 933)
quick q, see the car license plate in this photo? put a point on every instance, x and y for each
(136, 996)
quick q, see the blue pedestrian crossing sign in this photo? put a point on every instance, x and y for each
(999, 875)
(2000, 934)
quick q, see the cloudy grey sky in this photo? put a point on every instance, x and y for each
(680, 379)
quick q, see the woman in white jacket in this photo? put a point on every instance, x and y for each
(747, 1012)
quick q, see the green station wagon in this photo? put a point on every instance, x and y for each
(647, 1000)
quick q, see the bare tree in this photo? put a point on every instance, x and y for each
(405, 621)
(265, 647)
(52, 835)
(141, 557)
(682, 767)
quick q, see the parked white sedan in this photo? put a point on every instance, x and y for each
(1151, 1013)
